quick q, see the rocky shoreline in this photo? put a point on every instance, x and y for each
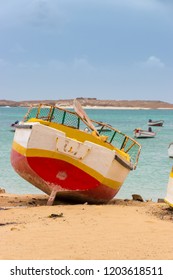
(93, 102)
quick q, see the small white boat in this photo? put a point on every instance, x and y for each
(140, 133)
(169, 195)
(170, 150)
(155, 123)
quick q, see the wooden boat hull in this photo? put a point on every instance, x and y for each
(50, 160)
(169, 194)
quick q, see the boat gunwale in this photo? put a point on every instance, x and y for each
(115, 130)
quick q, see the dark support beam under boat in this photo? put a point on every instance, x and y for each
(52, 197)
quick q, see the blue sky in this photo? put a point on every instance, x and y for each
(108, 49)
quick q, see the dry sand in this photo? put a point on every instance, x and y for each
(120, 230)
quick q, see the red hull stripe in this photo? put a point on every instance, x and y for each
(62, 173)
(66, 160)
(97, 192)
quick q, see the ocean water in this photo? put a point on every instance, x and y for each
(149, 179)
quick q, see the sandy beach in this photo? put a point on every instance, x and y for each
(120, 230)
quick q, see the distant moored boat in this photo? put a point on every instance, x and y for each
(155, 123)
(140, 133)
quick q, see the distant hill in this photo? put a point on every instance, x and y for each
(93, 102)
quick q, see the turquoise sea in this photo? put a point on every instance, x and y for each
(149, 179)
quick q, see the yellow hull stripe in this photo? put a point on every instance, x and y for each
(171, 174)
(170, 204)
(54, 155)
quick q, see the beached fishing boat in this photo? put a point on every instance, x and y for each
(170, 150)
(169, 194)
(140, 133)
(155, 123)
(52, 151)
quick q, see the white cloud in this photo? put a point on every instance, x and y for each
(33, 65)
(55, 13)
(34, 12)
(153, 61)
(83, 64)
(57, 65)
(77, 64)
(44, 12)
(139, 3)
(143, 4)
